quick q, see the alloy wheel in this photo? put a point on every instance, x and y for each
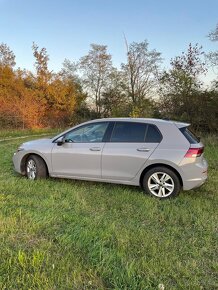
(161, 184)
(31, 169)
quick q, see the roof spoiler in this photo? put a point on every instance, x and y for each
(181, 124)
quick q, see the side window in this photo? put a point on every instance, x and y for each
(88, 133)
(128, 132)
(153, 135)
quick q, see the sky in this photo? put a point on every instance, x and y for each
(68, 27)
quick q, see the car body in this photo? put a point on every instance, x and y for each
(119, 150)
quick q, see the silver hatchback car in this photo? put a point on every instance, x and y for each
(161, 156)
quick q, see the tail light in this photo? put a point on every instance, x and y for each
(194, 152)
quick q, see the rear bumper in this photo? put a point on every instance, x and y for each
(193, 183)
(194, 175)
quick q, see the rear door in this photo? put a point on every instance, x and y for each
(128, 149)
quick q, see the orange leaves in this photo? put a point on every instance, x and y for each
(35, 104)
(28, 100)
(17, 100)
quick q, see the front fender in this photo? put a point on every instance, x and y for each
(47, 159)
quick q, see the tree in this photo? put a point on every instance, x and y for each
(140, 73)
(7, 57)
(213, 56)
(7, 61)
(179, 85)
(41, 63)
(96, 67)
(26, 104)
(213, 35)
(43, 75)
(18, 104)
(206, 114)
(36, 100)
(185, 70)
(71, 80)
(69, 70)
(115, 102)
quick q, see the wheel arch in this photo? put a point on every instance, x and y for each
(24, 159)
(146, 169)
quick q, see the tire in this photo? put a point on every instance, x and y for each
(36, 168)
(161, 182)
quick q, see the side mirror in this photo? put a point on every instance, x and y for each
(61, 141)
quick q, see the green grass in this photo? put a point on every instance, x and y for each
(27, 132)
(63, 234)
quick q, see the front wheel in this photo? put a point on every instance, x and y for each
(161, 182)
(35, 168)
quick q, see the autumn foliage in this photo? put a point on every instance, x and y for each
(32, 101)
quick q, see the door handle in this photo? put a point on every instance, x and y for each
(143, 149)
(95, 149)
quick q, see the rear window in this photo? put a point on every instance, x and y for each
(190, 136)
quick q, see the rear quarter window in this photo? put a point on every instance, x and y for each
(153, 134)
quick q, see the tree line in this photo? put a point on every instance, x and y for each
(92, 87)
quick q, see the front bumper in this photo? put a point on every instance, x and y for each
(17, 158)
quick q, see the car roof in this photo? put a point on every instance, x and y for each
(144, 120)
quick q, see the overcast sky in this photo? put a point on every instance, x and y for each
(67, 27)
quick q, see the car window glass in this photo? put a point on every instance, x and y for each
(128, 132)
(153, 135)
(87, 134)
(189, 135)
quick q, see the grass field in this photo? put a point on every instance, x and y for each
(26, 132)
(64, 234)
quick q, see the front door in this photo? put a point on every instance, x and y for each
(80, 154)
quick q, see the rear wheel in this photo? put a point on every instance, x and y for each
(161, 182)
(35, 168)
